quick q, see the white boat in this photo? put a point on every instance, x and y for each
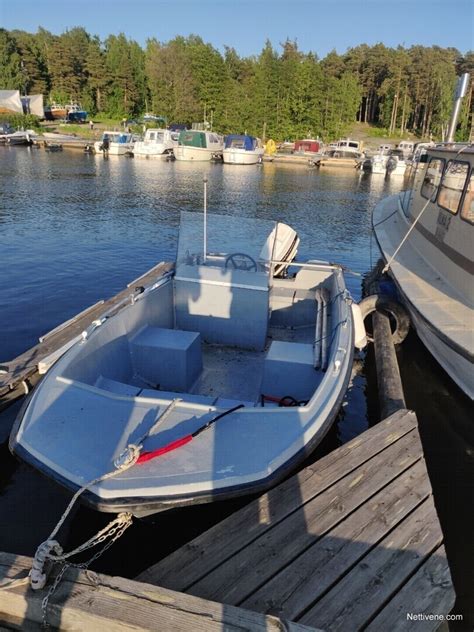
(242, 150)
(156, 143)
(345, 148)
(198, 145)
(407, 147)
(378, 162)
(396, 163)
(222, 374)
(26, 137)
(116, 143)
(433, 268)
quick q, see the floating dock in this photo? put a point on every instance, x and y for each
(351, 542)
(94, 602)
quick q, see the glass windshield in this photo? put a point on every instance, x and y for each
(226, 235)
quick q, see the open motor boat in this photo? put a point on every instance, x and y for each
(426, 235)
(396, 163)
(116, 143)
(223, 375)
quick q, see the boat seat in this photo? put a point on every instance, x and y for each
(289, 371)
(169, 359)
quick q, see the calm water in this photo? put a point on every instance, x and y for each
(75, 228)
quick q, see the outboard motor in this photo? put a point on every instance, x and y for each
(281, 246)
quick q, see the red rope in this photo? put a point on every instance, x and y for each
(147, 456)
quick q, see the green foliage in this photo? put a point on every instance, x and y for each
(21, 121)
(283, 94)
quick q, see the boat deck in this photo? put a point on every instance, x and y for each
(236, 374)
(351, 542)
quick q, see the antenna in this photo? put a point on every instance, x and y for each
(205, 218)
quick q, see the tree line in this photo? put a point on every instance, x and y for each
(278, 93)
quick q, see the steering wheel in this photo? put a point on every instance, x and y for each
(238, 263)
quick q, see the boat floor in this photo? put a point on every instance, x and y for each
(236, 374)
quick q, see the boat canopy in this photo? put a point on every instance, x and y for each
(240, 141)
(117, 137)
(192, 138)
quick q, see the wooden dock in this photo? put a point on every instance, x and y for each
(21, 373)
(96, 603)
(351, 542)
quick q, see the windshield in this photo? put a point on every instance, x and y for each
(226, 235)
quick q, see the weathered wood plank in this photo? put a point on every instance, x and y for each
(97, 602)
(355, 599)
(428, 592)
(308, 577)
(203, 554)
(24, 365)
(234, 580)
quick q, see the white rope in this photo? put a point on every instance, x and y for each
(50, 550)
(389, 262)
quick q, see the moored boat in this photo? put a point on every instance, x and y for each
(426, 237)
(217, 380)
(396, 163)
(156, 143)
(115, 143)
(241, 149)
(198, 145)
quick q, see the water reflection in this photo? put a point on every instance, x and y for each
(76, 227)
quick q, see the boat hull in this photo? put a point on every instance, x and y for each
(115, 149)
(410, 270)
(242, 156)
(196, 154)
(151, 150)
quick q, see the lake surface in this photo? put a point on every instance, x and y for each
(76, 228)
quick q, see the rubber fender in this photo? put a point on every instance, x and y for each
(360, 334)
(387, 305)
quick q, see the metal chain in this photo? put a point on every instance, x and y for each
(114, 534)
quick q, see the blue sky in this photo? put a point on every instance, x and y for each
(318, 25)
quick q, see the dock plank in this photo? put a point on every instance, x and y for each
(96, 602)
(429, 592)
(25, 365)
(297, 586)
(243, 573)
(206, 552)
(372, 582)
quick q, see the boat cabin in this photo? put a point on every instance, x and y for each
(307, 145)
(199, 139)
